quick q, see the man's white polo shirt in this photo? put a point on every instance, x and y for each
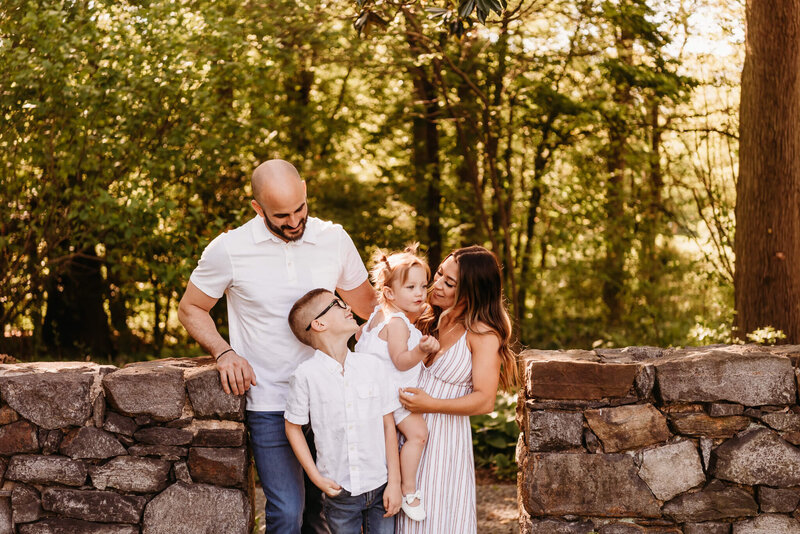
(263, 276)
(345, 406)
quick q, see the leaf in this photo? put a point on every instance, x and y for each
(466, 8)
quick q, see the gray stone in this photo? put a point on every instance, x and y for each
(36, 469)
(181, 471)
(706, 447)
(768, 524)
(552, 431)
(164, 436)
(91, 442)
(166, 452)
(554, 526)
(714, 502)
(759, 457)
(628, 427)
(605, 485)
(645, 380)
(150, 391)
(721, 409)
(208, 398)
(630, 354)
(75, 526)
(710, 527)
(99, 411)
(715, 375)
(92, 505)
(26, 504)
(7, 415)
(50, 399)
(778, 500)
(590, 441)
(6, 521)
(218, 466)
(19, 437)
(192, 508)
(119, 424)
(633, 528)
(783, 421)
(50, 440)
(131, 473)
(671, 469)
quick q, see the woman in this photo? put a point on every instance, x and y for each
(474, 330)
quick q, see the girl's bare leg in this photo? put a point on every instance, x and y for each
(415, 431)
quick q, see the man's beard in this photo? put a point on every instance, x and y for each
(280, 231)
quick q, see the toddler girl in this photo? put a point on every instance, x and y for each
(402, 280)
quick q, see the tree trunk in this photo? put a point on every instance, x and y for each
(767, 244)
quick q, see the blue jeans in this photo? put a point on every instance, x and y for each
(282, 478)
(347, 514)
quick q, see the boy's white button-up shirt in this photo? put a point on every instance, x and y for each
(262, 277)
(345, 407)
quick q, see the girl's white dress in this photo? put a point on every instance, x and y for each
(370, 343)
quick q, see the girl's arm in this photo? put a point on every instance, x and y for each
(397, 335)
(485, 379)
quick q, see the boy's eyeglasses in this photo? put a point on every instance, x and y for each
(334, 302)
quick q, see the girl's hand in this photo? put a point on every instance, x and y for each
(415, 400)
(429, 344)
(328, 486)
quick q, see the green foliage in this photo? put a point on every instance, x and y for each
(494, 437)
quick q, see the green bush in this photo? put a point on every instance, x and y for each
(494, 437)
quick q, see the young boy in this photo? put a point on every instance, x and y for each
(350, 408)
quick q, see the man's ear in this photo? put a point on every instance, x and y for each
(257, 208)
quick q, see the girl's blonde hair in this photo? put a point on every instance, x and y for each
(386, 270)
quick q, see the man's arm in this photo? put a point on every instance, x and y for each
(235, 372)
(392, 495)
(294, 433)
(362, 299)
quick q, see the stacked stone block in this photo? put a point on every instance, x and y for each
(152, 448)
(661, 441)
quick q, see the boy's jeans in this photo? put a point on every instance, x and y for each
(347, 514)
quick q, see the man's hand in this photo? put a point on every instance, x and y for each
(235, 373)
(392, 497)
(328, 486)
(429, 344)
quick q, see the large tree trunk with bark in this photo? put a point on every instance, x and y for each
(767, 246)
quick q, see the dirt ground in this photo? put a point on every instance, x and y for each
(497, 507)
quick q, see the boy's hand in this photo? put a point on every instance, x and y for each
(392, 497)
(428, 344)
(328, 486)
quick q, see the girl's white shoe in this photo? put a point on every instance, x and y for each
(415, 513)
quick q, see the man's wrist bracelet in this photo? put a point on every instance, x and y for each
(216, 358)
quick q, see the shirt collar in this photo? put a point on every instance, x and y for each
(329, 363)
(261, 232)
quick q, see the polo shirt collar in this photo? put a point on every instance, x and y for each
(261, 232)
(329, 363)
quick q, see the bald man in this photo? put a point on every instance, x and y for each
(263, 267)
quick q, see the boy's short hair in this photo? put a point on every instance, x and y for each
(302, 314)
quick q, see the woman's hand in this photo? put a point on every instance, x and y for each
(415, 400)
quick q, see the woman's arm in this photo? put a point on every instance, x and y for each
(485, 379)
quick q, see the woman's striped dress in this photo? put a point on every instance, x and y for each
(446, 473)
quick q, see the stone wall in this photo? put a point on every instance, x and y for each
(644, 440)
(152, 448)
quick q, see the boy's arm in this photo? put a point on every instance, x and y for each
(297, 440)
(392, 496)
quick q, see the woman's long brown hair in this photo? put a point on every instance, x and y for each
(479, 287)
